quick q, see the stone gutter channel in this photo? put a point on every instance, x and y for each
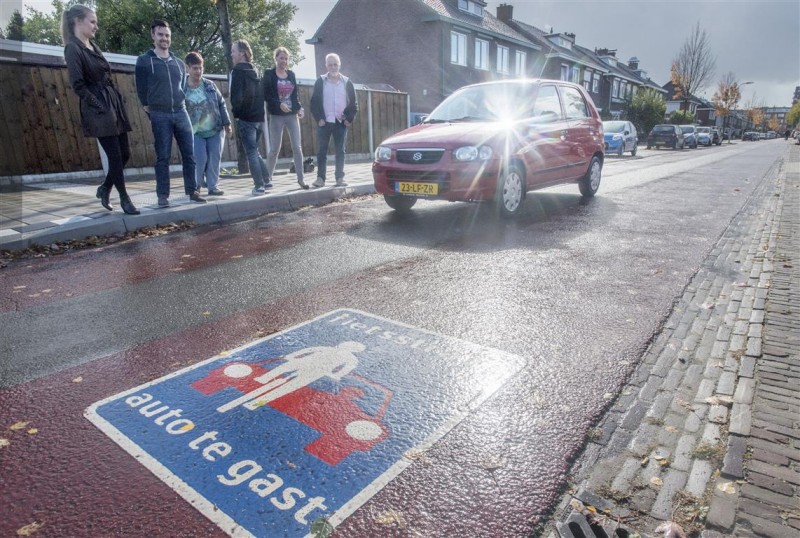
(706, 434)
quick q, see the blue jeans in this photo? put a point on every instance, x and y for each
(207, 153)
(166, 125)
(251, 132)
(339, 133)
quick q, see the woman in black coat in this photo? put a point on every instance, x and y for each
(102, 111)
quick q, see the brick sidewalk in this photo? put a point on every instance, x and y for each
(707, 433)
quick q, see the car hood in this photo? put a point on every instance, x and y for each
(450, 135)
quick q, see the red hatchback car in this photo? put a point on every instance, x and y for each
(495, 141)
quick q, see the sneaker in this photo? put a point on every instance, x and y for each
(163, 202)
(341, 183)
(318, 183)
(302, 184)
(258, 191)
(268, 185)
(215, 192)
(195, 197)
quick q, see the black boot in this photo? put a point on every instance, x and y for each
(127, 205)
(103, 193)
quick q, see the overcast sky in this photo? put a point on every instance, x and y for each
(757, 40)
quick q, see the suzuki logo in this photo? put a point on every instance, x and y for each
(417, 156)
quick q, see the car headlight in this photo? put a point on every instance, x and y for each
(472, 153)
(382, 153)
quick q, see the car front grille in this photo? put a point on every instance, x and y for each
(419, 156)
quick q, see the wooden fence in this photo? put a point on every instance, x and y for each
(42, 132)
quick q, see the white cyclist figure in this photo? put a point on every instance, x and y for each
(300, 369)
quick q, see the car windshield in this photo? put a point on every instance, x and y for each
(663, 129)
(687, 128)
(489, 102)
(613, 126)
(703, 130)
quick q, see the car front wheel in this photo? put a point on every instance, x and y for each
(510, 192)
(590, 182)
(401, 204)
(633, 151)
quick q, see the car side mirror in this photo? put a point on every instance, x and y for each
(627, 133)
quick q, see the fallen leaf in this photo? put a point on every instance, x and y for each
(576, 505)
(33, 431)
(608, 395)
(187, 256)
(206, 313)
(417, 455)
(77, 379)
(391, 517)
(4, 442)
(671, 530)
(493, 463)
(671, 429)
(727, 487)
(656, 481)
(662, 461)
(47, 291)
(291, 465)
(237, 256)
(18, 426)
(28, 530)
(20, 287)
(644, 461)
(708, 306)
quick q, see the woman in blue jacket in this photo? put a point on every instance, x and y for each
(210, 124)
(103, 114)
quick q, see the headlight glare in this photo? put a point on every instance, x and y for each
(466, 153)
(382, 153)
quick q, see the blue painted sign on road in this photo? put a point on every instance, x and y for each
(292, 433)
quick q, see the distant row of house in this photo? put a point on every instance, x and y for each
(430, 48)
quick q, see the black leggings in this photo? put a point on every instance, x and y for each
(118, 153)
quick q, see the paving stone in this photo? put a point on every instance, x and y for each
(756, 330)
(773, 418)
(633, 418)
(791, 453)
(705, 390)
(698, 477)
(770, 457)
(642, 440)
(757, 316)
(769, 436)
(718, 414)
(770, 483)
(745, 390)
(741, 327)
(733, 464)
(741, 420)
(711, 434)
(764, 495)
(753, 347)
(726, 383)
(719, 349)
(781, 473)
(630, 468)
(776, 428)
(650, 388)
(674, 481)
(759, 509)
(672, 380)
(682, 458)
(768, 529)
(747, 366)
(660, 405)
(737, 343)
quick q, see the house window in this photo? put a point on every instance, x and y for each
(596, 83)
(470, 7)
(519, 65)
(587, 79)
(615, 88)
(502, 59)
(458, 48)
(575, 75)
(481, 54)
(564, 72)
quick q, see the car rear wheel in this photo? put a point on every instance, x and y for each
(590, 182)
(633, 151)
(510, 192)
(401, 204)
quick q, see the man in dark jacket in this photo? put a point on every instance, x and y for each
(160, 85)
(247, 103)
(334, 107)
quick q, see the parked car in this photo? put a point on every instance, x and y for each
(704, 136)
(771, 135)
(619, 137)
(495, 141)
(666, 135)
(750, 135)
(689, 135)
(716, 136)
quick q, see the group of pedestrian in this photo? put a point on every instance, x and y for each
(183, 105)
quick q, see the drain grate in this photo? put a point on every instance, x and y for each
(603, 524)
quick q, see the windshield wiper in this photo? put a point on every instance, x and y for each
(429, 120)
(468, 118)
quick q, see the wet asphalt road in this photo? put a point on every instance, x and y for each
(578, 289)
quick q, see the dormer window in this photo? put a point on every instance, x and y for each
(472, 7)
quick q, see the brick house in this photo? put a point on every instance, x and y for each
(426, 48)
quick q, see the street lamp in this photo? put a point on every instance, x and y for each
(748, 116)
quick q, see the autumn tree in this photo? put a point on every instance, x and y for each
(693, 67)
(793, 116)
(726, 97)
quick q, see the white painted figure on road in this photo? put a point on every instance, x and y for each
(302, 368)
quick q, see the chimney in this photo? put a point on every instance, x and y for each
(633, 63)
(505, 12)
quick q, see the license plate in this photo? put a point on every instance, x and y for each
(409, 187)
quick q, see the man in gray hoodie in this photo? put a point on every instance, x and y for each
(160, 86)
